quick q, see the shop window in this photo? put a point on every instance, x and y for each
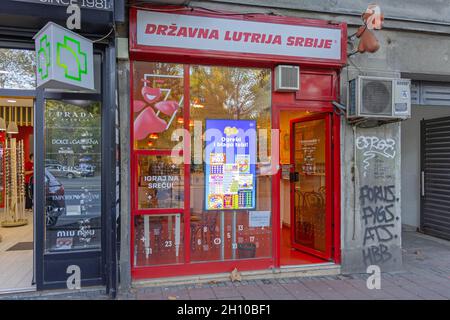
(230, 186)
(17, 69)
(227, 222)
(160, 182)
(158, 240)
(72, 174)
(157, 106)
(219, 236)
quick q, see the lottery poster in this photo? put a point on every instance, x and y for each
(230, 171)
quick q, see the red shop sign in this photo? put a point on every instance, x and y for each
(266, 37)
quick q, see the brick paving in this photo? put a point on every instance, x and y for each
(425, 275)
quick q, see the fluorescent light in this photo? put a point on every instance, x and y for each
(4, 72)
(11, 101)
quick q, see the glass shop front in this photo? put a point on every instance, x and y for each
(208, 190)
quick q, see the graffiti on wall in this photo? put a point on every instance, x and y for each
(373, 146)
(379, 222)
(377, 195)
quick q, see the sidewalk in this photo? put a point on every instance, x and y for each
(426, 275)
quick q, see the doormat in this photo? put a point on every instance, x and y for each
(21, 246)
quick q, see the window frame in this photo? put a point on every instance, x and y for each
(188, 267)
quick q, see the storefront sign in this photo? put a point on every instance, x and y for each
(64, 59)
(262, 38)
(230, 179)
(106, 5)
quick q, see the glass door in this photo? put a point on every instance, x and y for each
(311, 213)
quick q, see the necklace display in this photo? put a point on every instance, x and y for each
(14, 214)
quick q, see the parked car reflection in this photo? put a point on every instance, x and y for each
(87, 170)
(64, 171)
(55, 204)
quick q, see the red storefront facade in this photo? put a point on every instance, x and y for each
(179, 81)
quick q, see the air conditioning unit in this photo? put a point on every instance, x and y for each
(287, 78)
(377, 97)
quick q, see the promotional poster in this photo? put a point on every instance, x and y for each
(230, 181)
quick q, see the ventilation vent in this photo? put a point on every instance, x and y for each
(287, 78)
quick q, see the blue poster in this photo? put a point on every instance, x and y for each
(230, 171)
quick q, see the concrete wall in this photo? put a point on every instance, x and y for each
(371, 215)
(411, 160)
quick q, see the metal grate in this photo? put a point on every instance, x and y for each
(435, 186)
(287, 78)
(23, 116)
(430, 93)
(376, 97)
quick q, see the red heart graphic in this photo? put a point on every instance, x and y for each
(150, 95)
(167, 107)
(138, 105)
(147, 122)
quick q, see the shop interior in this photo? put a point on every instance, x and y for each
(309, 199)
(16, 207)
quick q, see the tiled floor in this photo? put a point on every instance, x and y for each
(290, 256)
(16, 267)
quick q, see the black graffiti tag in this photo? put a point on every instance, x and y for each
(376, 254)
(376, 194)
(380, 233)
(378, 216)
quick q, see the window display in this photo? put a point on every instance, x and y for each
(14, 213)
(158, 239)
(157, 104)
(160, 183)
(229, 190)
(73, 174)
(219, 236)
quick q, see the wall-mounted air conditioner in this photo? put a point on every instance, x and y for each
(376, 97)
(287, 78)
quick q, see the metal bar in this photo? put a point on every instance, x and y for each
(17, 93)
(39, 192)
(109, 166)
(423, 183)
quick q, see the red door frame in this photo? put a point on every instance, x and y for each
(335, 175)
(328, 182)
(186, 57)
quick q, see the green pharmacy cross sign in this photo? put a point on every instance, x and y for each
(64, 59)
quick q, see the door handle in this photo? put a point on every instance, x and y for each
(422, 183)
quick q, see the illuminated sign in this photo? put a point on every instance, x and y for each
(64, 59)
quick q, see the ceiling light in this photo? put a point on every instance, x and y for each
(11, 101)
(12, 128)
(4, 72)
